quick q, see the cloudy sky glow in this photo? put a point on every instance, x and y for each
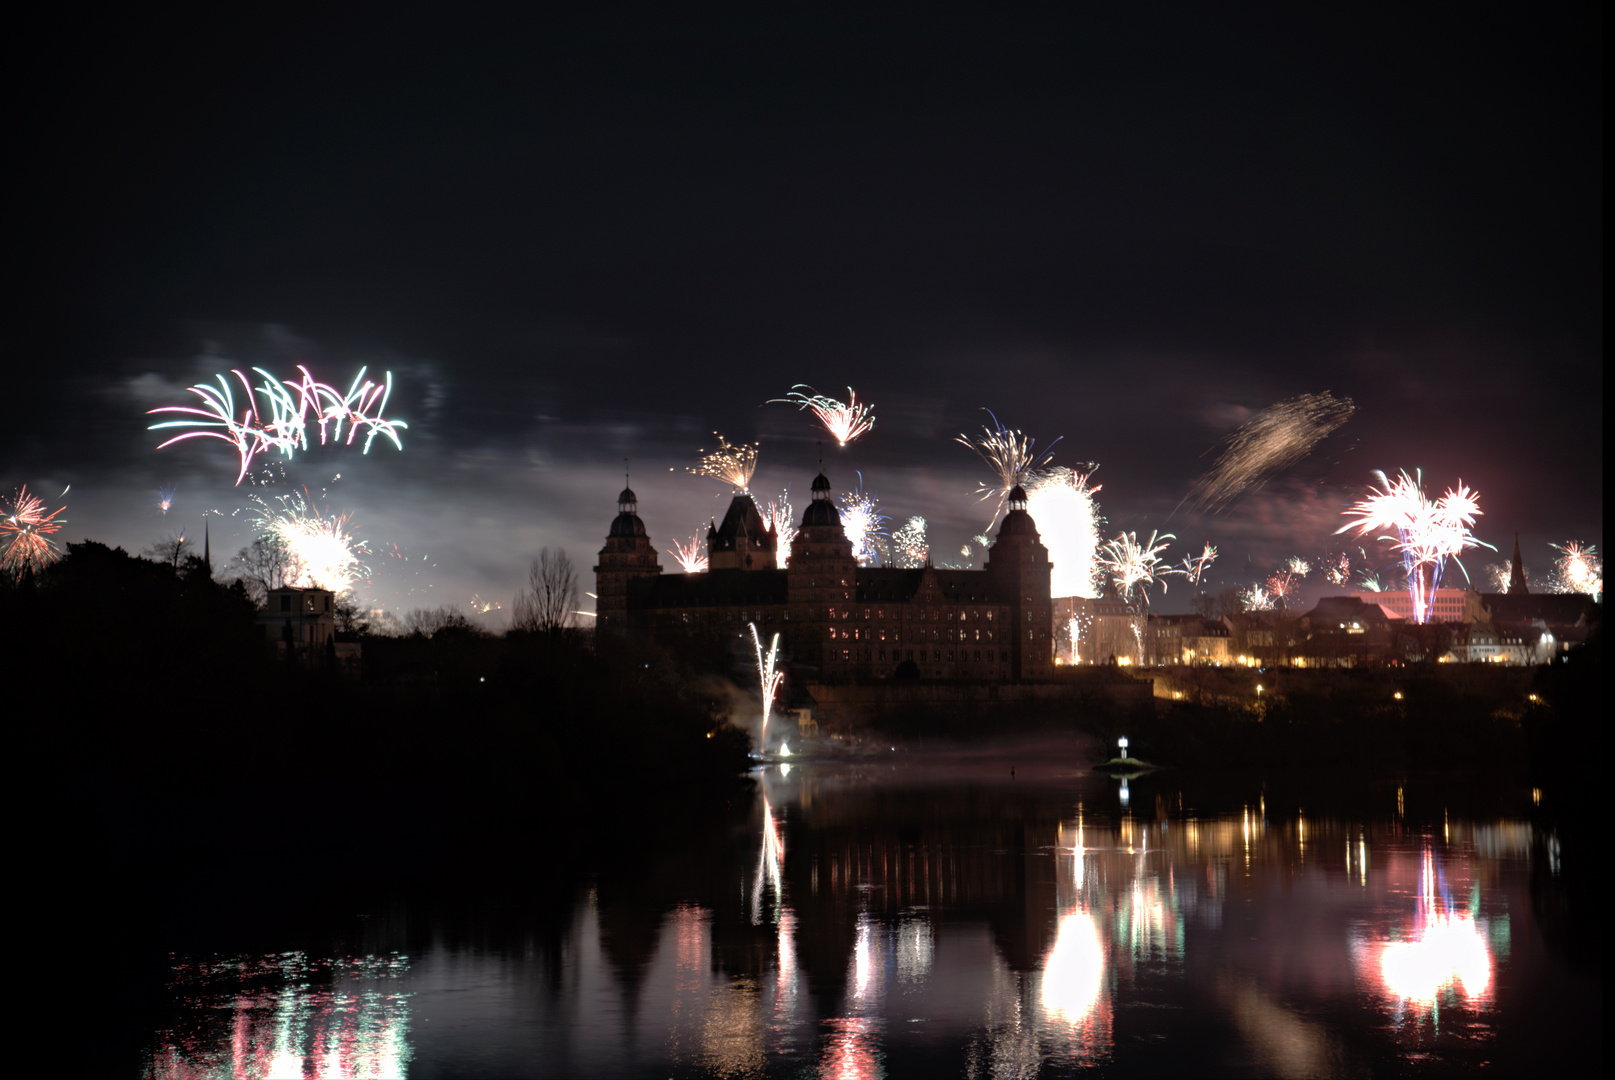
(575, 240)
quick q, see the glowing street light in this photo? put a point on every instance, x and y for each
(1122, 742)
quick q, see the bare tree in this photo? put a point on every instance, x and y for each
(267, 564)
(428, 621)
(171, 550)
(546, 603)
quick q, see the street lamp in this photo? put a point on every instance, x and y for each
(1122, 742)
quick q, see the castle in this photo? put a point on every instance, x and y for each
(837, 620)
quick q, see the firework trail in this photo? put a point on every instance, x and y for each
(912, 548)
(734, 465)
(290, 406)
(779, 516)
(165, 498)
(1013, 457)
(1062, 504)
(1370, 581)
(1132, 564)
(1578, 569)
(864, 524)
(690, 557)
(325, 553)
(1278, 436)
(1498, 576)
(1194, 566)
(1427, 533)
(768, 678)
(25, 531)
(844, 421)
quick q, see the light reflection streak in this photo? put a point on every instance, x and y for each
(350, 1028)
(1446, 950)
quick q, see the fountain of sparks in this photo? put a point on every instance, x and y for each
(289, 406)
(1428, 532)
(769, 677)
(844, 421)
(734, 465)
(690, 557)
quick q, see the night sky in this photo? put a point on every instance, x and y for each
(579, 239)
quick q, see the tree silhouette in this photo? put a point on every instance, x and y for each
(547, 602)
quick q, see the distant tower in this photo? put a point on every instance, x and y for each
(1019, 563)
(207, 550)
(627, 558)
(1516, 577)
(822, 583)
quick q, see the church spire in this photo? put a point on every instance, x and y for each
(1516, 577)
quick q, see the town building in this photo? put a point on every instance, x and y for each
(838, 620)
(301, 622)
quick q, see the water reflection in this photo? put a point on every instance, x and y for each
(867, 925)
(288, 1016)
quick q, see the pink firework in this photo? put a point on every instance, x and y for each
(844, 420)
(1428, 533)
(691, 559)
(25, 535)
(288, 407)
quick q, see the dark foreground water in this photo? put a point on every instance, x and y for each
(942, 917)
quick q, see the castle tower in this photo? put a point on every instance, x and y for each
(1516, 577)
(1019, 565)
(628, 557)
(822, 583)
(744, 541)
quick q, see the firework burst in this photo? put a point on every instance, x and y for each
(734, 465)
(1337, 571)
(1278, 436)
(1133, 565)
(910, 544)
(25, 531)
(845, 421)
(1062, 504)
(1194, 567)
(165, 498)
(282, 422)
(864, 524)
(324, 551)
(1578, 569)
(1256, 598)
(1013, 457)
(1427, 533)
(690, 557)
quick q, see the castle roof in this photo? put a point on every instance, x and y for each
(741, 519)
